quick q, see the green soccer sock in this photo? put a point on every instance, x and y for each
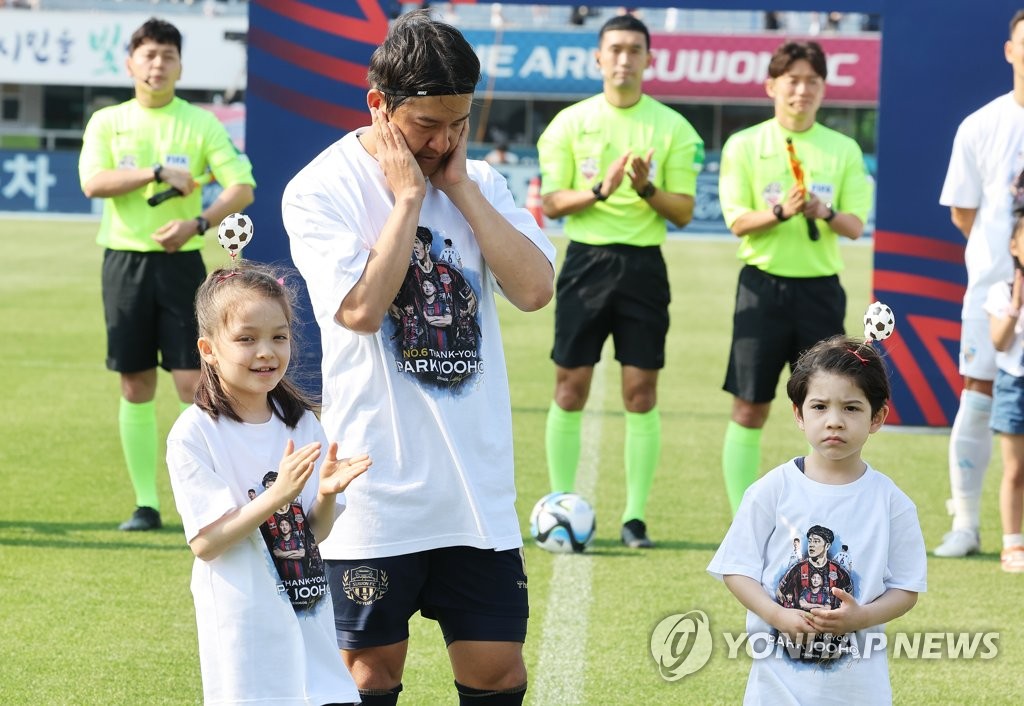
(562, 445)
(137, 422)
(741, 460)
(642, 450)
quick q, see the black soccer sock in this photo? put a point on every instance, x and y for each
(380, 697)
(468, 696)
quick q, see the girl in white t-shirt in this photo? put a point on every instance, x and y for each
(1003, 307)
(257, 486)
(817, 624)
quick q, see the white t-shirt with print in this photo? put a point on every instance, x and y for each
(254, 646)
(876, 542)
(429, 403)
(997, 304)
(988, 154)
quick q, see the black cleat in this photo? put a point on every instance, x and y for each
(144, 518)
(634, 535)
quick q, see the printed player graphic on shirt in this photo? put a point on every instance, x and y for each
(808, 583)
(296, 555)
(433, 323)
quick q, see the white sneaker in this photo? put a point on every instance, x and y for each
(959, 543)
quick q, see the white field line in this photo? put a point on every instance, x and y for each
(561, 670)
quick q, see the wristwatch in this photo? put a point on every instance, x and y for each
(597, 191)
(157, 168)
(202, 225)
(831, 212)
(646, 192)
(777, 210)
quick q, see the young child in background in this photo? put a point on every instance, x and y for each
(833, 498)
(1003, 308)
(265, 619)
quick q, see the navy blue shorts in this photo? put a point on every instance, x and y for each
(149, 306)
(616, 290)
(473, 594)
(775, 320)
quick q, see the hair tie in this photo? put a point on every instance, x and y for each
(280, 281)
(862, 359)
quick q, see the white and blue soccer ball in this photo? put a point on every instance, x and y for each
(235, 232)
(879, 322)
(563, 523)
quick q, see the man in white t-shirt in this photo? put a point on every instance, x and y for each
(434, 529)
(986, 162)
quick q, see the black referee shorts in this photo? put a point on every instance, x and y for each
(621, 290)
(149, 305)
(776, 319)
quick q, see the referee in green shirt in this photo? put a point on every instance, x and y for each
(152, 261)
(616, 166)
(789, 296)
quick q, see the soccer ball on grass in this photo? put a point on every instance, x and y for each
(563, 523)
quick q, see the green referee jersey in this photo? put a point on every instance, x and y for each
(127, 136)
(584, 139)
(755, 174)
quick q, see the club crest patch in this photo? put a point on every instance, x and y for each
(365, 585)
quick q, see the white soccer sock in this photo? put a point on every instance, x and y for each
(970, 449)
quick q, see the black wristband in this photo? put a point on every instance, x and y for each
(777, 210)
(157, 168)
(831, 212)
(202, 225)
(647, 192)
(597, 191)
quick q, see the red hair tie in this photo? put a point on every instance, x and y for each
(862, 359)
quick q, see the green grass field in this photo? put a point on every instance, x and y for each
(95, 616)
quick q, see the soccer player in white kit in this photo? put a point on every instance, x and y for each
(984, 172)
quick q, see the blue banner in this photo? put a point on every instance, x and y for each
(42, 182)
(537, 63)
(689, 66)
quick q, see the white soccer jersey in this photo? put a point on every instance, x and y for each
(987, 157)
